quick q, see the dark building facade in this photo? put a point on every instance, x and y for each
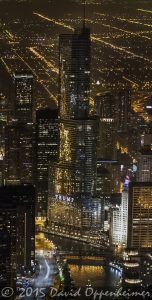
(4, 112)
(113, 108)
(74, 68)
(47, 150)
(19, 158)
(17, 231)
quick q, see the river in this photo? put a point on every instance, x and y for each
(84, 276)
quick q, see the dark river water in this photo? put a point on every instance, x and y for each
(88, 279)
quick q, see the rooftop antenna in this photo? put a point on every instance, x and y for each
(84, 13)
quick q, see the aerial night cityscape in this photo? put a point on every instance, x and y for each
(75, 149)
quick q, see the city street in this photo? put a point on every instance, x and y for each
(39, 284)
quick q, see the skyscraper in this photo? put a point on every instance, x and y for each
(47, 150)
(3, 122)
(19, 139)
(119, 226)
(113, 108)
(108, 177)
(73, 179)
(74, 68)
(19, 147)
(145, 166)
(140, 215)
(107, 138)
(23, 102)
(107, 125)
(78, 132)
(106, 106)
(146, 141)
(17, 231)
(123, 108)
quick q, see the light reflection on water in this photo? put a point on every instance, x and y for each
(81, 275)
(98, 276)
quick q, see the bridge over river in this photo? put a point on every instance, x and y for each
(85, 260)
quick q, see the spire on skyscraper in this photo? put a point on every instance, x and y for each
(84, 13)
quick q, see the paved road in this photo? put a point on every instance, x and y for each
(44, 279)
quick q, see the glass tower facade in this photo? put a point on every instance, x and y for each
(72, 182)
(19, 137)
(140, 215)
(74, 68)
(47, 150)
(23, 102)
(19, 159)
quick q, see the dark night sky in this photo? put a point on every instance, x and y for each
(60, 7)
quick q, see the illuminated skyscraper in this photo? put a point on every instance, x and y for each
(17, 231)
(12, 161)
(74, 67)
(123, 108)
(119, 226)
(47, 150)
(23, 102)
(107, 125)
(145, 166)
(113, 108)
(73, 179)
(78, 132)
(19, 159)
(107, 138)
(132, 273)
(108, 177)
(3, 122)
(140, 215)
(19, 139)
(106, 106)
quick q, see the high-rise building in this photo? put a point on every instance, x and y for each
(106, 110)
(3, 122)
(75, 174)
(140, 215)
(106, 106)
(78, 132)
(113, 108)
(74, 68)
(108, 184)
(137, 270)
(145, 166)
(12, 162)
(146, 141)
(73, 179)
(7, 89)
(23, 102)
(115, 104)
(19, 147)
(107, 139)
(123, 108)
(47, 150)
(19, 137)
(17, 231)
(119, 224)
(132, 275)
(108, 177)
